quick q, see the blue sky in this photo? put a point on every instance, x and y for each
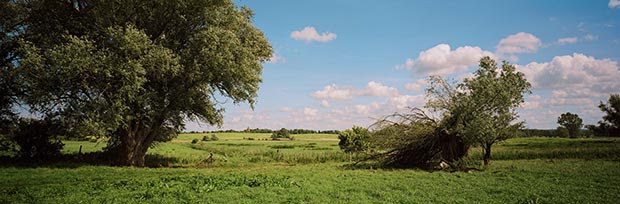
(344, 63)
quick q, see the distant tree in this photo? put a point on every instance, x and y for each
(354, 140)
(282, 133)
(572, 123)
(134, 71)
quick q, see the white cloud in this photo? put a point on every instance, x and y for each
(590, 37)
(310, 111)
(404, 101)
(568, 40)
(378, 89)
(519, 43)
(417, 86)
(276, 59)
(334, 92)
(441, 59)
(325, 104)
(339, 93)
(576, 71)
(309, 34)
(614, 4)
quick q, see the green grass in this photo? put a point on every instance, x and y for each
(312, 169)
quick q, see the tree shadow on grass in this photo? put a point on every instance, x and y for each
(75, 160)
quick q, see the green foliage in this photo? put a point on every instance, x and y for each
(481, 110)
(205, 138)
(610, 125)
(134, 70)
(354, 140)
(194, 141)
(282, 133)
(562, 132)
(214, 137)
(572, 123)
(38, 139)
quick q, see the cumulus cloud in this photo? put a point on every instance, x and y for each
(309, 34)
(417, 86)
(614, 4)
(519, 43)
(325, 104)
(334, 92)
(378, 89)
(441, 59)
(574, 71)
(310, 111)
(340, 93)
(568, 40)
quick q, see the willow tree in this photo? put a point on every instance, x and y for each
(134, 71)
(486, 106)
(480, 111)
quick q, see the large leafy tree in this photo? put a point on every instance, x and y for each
(481, 110)
(572, 123)
(134, 71)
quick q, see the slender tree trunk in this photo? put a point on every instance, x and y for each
(487, 154)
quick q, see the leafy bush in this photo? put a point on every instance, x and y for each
(354, 140)
(38, 139)
(282, 133)
(214, 138)
(194, 141)
(205, 138)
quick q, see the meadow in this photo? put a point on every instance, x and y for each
(312, 169)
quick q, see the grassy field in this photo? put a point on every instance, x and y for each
(312, 169)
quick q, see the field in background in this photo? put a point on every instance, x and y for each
(312, 169)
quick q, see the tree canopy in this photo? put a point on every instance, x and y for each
(134, 71)
(572, 123)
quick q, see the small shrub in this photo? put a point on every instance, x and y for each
(205, 138)
(214, 138)
(194, 141)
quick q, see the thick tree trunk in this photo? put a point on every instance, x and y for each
(487, 154)
(134, 143)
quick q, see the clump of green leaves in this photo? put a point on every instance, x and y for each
(354, 140)
(282, 133)
(572, 123)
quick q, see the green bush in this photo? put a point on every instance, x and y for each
(38, 139)
(214, 138)
(282, 133)
(205, 138)
(354, 140)
(194, 141)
